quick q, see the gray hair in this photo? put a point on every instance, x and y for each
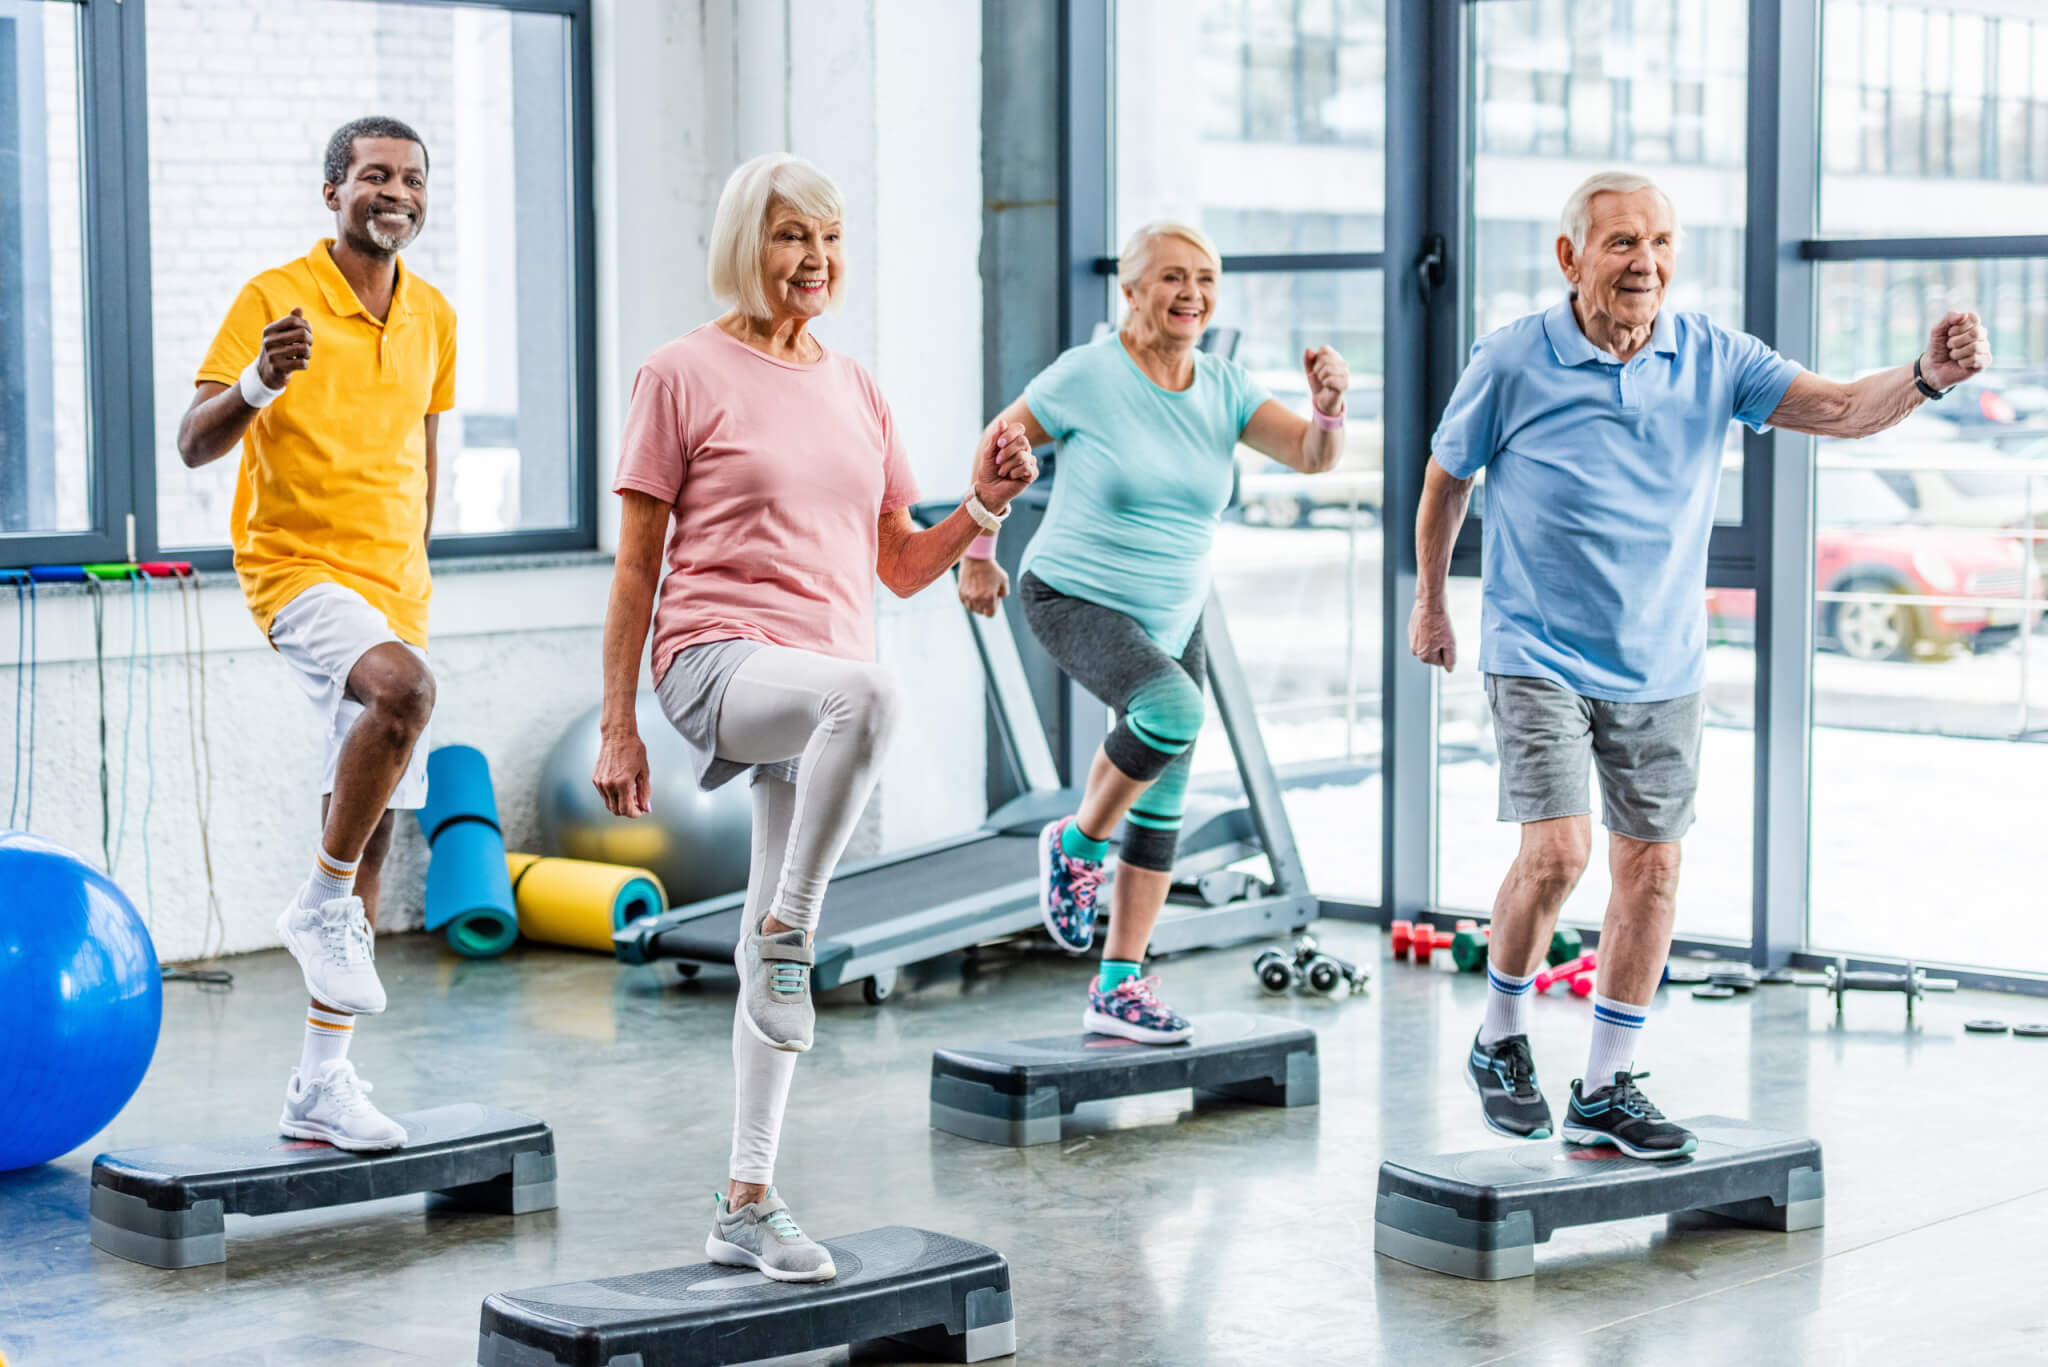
(1577, 219)
(1136, 257)
(739, 230)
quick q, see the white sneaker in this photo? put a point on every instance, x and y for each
(335, 1107)
(335, 952)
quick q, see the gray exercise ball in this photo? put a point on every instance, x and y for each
(696, 842)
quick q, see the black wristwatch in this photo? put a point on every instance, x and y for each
(1920, 383)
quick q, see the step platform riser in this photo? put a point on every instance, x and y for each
(940, 1295)
(1019, 1094)
(1480, 1215)
(167, 1207)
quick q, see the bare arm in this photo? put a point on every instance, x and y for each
(1444, 501)
(219, 415)
(907, 559)
(1293, 440)
(1820, 407)
(621, 773)
(433, 471)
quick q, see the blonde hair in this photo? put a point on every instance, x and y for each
(739, 230)
(1136, 257)
(1577, 219)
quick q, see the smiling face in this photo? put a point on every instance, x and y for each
(381, 204)
(802, 263)
(1630, 254)
(1176, 295)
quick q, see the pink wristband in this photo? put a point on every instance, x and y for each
(1327, 421)
(981, 548)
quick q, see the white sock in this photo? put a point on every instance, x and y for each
(1507, 1006)
(331, 878)
(1615, 1028)
(327, 1037)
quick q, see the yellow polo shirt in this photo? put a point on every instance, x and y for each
(333, 481)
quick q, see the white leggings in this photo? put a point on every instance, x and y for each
(839, 715)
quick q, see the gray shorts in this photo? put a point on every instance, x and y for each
(1648, 755)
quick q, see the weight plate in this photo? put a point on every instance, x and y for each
(1985, 1027)
(2033, 1030)
(1712, 992)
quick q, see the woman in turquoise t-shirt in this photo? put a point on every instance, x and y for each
(1114, 582)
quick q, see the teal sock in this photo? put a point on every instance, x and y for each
(1076, 845)
(1115, 971)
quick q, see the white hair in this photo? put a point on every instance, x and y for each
(1136, 257)
(739, 231)
(1577, 219)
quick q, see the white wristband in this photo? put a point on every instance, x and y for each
(255, 393)
(983, 518)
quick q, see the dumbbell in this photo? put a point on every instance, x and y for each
(1324, 973)
(1565, 945)
(1582, 966)
(1276, 972)
(1399, 936)
(1426, 940)
(1843, 980)
(1468, 947)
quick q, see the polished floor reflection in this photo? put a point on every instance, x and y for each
(1150, 1234)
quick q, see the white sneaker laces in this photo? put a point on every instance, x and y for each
(346, 938)
(350, 1093)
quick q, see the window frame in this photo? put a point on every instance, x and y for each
(113, 74)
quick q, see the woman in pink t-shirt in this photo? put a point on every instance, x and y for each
(774, 470)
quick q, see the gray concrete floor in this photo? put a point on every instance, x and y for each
(1151, 1234)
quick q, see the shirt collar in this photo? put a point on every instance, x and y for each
(341, 296)
(1572, 348)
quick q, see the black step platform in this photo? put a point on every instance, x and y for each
(167, 1207)
(1481, 1214)
(942, 1294)
(1019, 1093)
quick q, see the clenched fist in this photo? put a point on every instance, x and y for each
(1328, 378)
(287, 347)
(1958, 349)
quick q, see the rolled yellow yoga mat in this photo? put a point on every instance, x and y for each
(578, 902)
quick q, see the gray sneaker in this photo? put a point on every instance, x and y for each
(763, 1235)
(775, 989)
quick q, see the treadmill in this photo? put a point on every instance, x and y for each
(919, 903)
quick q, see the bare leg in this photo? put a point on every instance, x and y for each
(1136, 898)
(1546, 869)
(1109, 796)
(1635, 937)
(396, 691)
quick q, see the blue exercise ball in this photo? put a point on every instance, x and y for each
(81, 1000)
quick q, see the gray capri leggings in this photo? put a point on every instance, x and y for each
(1157, 700)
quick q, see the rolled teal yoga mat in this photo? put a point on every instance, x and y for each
(469, 896)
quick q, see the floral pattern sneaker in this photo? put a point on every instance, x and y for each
(1069, 889)
(1132, 1010)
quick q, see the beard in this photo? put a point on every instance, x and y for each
(375, 240)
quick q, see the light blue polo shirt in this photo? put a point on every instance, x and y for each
(1144, 473)
(1600, 488)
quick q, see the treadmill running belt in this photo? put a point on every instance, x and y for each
(992, 865)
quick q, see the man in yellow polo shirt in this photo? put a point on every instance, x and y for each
(331, 373)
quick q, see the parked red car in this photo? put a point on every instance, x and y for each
(1865, 551)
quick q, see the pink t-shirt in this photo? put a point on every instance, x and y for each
(778, 474)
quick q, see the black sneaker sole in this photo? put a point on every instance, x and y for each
(1542, 1132)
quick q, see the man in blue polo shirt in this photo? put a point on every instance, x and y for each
(1600, 423)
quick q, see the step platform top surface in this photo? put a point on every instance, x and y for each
(1220, 1033)
(1517, 1173)
(429, 1133)
(876, 1262)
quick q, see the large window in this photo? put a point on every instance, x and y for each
(46, 471)
(1277, 151)
(229, 187)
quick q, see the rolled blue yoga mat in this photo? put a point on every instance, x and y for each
(468, 893)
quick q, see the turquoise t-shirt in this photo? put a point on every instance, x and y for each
(1143, 474)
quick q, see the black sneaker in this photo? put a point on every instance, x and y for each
(1620, 1115)
(1504, 1075)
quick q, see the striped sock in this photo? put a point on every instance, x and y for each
(1615, 1027)
(327, 1037)
(1075, 843)
(331, 878)
(1507, 1007)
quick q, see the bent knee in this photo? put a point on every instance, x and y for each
(402, 695)
(1167, 712)
(870, 704)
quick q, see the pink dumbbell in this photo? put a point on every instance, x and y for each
(1572, 972)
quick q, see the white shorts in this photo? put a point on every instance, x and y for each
(320, 635)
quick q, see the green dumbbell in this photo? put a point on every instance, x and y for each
(1564, 947)
(1468, 949)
